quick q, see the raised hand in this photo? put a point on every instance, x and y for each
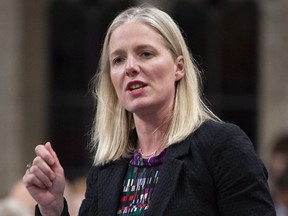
(45, 180)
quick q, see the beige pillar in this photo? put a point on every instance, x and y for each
(273, 91)
(23, 85)
(10, 105)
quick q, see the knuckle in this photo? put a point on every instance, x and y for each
(38, 148)
(37, 160)
(33, 169)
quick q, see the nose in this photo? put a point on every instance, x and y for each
(131, 67)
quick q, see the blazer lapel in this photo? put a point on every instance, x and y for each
(168, 178)
(110, 184)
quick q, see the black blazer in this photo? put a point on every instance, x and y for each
(214, 171)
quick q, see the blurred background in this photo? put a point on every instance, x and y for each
(49, 52)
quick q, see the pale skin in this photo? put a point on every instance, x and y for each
(144, 75)
(144, 59)
(45, 180)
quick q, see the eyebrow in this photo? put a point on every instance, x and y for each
(138, 47)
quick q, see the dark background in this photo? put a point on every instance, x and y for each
(222, 36)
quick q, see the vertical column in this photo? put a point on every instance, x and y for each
(273, 91)
(11, 109)
(34, 75)
(23, 85)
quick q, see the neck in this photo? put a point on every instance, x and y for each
(151, 135)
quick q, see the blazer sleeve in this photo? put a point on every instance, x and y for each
(240, 176)
(89, 204)
(65, 211)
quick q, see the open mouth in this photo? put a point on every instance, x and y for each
(136, 87)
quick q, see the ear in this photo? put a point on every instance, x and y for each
(180, 72)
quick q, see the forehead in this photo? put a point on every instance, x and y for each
(132, 32)
(134, 27)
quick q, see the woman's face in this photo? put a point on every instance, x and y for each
(142, 69)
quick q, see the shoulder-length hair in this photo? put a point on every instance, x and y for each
(113, 124)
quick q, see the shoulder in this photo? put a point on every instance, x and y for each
(212, 137)
(215, 134)
(212, 129)
(222, 144)
(227, 147)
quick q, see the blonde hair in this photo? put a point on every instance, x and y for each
(113, 124)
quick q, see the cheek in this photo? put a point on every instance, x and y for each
(165, 71)
(116, 82)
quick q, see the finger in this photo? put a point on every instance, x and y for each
(38, 177)
(42, 152)
(30, 180)
(53, 153)
(44, 167)
(56, 167)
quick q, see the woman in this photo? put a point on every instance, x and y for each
(159, 149)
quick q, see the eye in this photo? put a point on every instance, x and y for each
(146, 54)
(117, 60)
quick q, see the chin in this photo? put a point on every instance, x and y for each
(137, 109)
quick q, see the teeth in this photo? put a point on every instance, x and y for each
(136, 86)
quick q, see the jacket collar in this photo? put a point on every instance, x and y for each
(110, 184)
(168, 177)
(111, 177)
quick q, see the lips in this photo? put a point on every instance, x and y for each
(135, 85)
